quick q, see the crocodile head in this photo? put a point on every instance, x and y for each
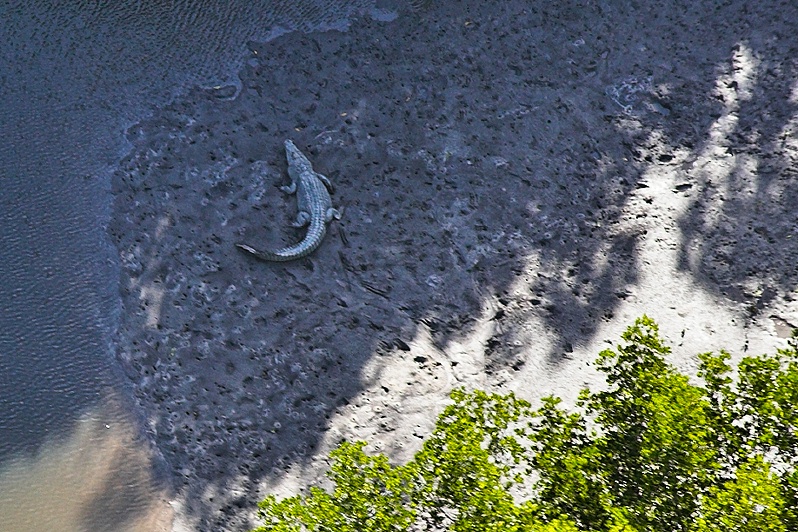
(295, 157)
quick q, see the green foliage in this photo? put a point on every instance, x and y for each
(652, 452)
(369, 494)
(465, 468)
(751, 502)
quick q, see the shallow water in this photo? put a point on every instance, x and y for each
(73, 78)
(98, 476)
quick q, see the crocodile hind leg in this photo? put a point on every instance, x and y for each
(332, 213)
(302, 219)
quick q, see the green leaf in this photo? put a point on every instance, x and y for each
(751, 502)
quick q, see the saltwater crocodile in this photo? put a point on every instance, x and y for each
(313, 204)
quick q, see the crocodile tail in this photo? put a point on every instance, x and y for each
(262, 255)
(312, 240)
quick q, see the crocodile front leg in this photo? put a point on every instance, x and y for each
(324, 179)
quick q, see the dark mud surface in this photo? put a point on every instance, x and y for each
(518, 180)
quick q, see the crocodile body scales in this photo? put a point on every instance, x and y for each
(314, 208)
